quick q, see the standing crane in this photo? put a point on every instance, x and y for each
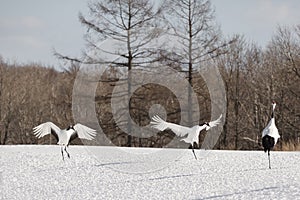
(270, 134)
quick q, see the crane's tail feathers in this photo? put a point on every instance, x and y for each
(158, 123)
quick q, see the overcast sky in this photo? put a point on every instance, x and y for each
(31, 29)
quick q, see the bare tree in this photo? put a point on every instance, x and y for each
(133, 24)
(240, 69)
(192, 22)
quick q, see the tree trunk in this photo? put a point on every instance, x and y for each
(130, 57)
(190, 73)
(236, 107)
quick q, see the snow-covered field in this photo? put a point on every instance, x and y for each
(38, 172)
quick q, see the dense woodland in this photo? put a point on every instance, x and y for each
(253, 77)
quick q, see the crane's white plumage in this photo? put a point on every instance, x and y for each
(191, 133)
(271, 130)
(64, 136)
(84, 132)
(214, 123)
(45, 129)
(162, 125)
(182, 131)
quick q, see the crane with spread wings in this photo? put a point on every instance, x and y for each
(65, 136)
(190, 134)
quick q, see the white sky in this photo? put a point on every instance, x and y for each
(30, 29)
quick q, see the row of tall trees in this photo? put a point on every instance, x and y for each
(181, 35)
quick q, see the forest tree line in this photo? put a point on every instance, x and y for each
(253, 77)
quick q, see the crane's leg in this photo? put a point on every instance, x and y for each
(269, 159)
(62, 153)
(194, 151)
(67, 152)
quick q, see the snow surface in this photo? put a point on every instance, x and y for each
(38, 172)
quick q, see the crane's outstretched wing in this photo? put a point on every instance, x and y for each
(45, 129)
(161, 125)
(215, 122)
(83, 132)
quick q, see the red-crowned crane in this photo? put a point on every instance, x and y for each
(64, 137)
(270, 134)
(191, 133)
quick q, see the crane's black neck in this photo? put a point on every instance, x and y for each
(70, 127)
(205, 123)
(273, 114)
